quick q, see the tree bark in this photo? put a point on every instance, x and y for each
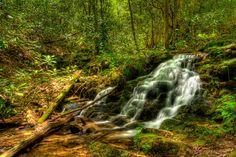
(132, 25)
(167, 25)
(42, 131)
(96, 33)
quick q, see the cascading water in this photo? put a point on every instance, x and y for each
(169, 87)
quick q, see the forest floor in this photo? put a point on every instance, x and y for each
(63, 143)
(194, 139)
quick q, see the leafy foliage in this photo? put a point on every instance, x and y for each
(48, 61)
(2, 45)
(5, 109)
(227, 111)
(143, 141)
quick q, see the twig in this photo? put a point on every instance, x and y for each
(85, 106)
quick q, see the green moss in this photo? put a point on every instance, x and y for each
(105, 150)
(229, 62)
(170, 147)
(6, 110)
(199, 142)
(232, 154)
(172, 124)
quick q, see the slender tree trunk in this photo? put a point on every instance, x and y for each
(153, 35)
(103, 29)
(168, 24)
(166, 27)
(95, 16)
(132, 25)
(176, 21)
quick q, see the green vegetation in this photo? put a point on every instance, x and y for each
(113, 43)
(226, 108)
(6, 109)
(105, 150)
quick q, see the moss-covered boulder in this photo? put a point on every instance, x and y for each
(150, 110)
(167, 147)
(99, 149)
(161, 143)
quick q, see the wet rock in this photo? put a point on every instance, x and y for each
(106, 150)
(153, 94)
(74, 129)
(89, 130)
(133, 125)
(150, 110)
(172, 124)
(168, 147)
(112, 107)
(70, 106)
(119, 120)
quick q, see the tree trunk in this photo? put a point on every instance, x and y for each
(153, 35)
(167, 25)
(96, 33)
(42, 131)
(132, 25)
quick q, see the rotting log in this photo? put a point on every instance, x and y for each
(230, 46)
(59, 98)
(46, 128)
(41, 131)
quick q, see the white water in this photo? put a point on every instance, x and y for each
(172, 78)
(170, 86)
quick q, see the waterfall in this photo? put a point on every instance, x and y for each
(170, 86)
(158, 97)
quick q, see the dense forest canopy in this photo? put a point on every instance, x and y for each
(54, 53)
(116, 25)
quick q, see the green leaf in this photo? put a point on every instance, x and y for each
(2, 46)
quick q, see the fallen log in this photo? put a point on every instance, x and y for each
(59, 98)
(46, 128)
(230, 46)
(41, 131)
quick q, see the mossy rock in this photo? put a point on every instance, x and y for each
(172, 124)
(171, 148)
(120, 121)
(226, 70)
(150, 110)
(126, 93)
(98, 149)
(131, 72)
(164, 147)
(112, 107)
(213, 44)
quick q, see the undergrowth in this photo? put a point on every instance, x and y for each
(6, 109)
(226, 110)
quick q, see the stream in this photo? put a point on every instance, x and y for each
(159, 97)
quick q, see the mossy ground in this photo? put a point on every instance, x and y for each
(195, 131)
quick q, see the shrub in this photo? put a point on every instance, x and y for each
(226, 107)
(6, 110)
